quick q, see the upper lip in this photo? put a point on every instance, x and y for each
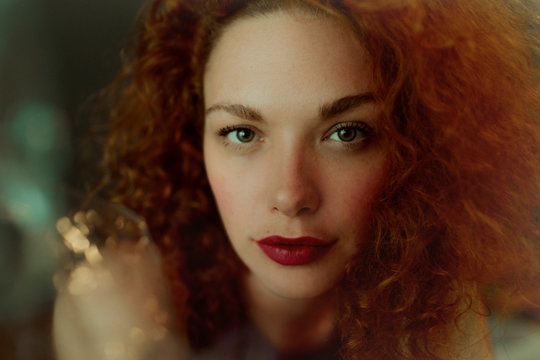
(277, 240)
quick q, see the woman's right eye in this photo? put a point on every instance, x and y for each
(239, 134)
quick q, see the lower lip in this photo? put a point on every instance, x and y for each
(293, 255)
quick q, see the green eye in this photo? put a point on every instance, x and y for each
(347, 134)
(242, 135)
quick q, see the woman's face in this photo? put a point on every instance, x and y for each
(291, 148)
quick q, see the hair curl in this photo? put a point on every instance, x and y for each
(457, 81)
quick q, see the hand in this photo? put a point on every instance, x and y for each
(115, 306)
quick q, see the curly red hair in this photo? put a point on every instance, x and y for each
(457, 81)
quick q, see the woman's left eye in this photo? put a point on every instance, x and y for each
(351, 132)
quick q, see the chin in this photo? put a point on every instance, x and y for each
(300, 286)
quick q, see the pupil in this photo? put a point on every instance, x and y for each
(347, 134)
(245, 135)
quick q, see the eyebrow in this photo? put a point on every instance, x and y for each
(238, 110)
(326, 111)
(344, 104)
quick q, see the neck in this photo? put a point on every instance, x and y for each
(291, 325)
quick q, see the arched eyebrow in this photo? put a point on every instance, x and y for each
(238, 110)
(344, 104)
(326, 111)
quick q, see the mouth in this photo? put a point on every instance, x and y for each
(294, 251)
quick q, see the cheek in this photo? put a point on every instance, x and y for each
(218, 178)
(233, 195)
(223, 193)
(358, 193)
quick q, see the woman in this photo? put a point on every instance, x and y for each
(330, 179)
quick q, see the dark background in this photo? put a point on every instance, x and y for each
(54, 54)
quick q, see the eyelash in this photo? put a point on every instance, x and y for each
(365, 133)
(229, 129)
(224, 132)
(237, 146)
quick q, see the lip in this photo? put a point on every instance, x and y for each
(294, 251)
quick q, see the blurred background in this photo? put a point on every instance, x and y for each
(54, 54)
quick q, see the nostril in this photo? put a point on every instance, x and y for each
(294, 198)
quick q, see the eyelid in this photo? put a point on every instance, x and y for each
(230, 128)
(224, 132)
(360, 125)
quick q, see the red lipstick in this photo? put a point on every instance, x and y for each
(294, 251)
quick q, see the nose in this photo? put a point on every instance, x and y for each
(293, 191)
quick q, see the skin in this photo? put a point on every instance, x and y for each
(277, 166)
(295, 176)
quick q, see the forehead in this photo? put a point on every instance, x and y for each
(290, 54)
